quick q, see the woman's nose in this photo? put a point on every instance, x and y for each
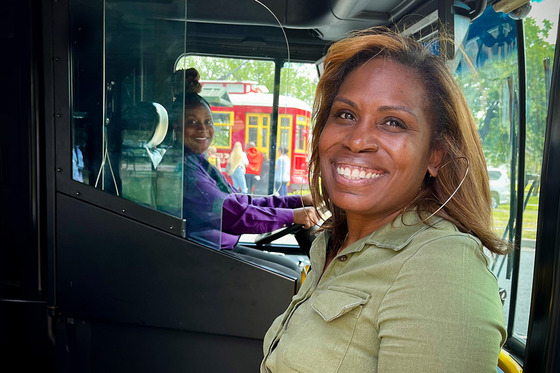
(363, 138)
(200, 127)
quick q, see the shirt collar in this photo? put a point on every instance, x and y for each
(395, 235)
(400, 232)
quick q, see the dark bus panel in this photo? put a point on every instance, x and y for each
(96, 271)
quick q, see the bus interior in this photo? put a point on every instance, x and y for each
(97, 271)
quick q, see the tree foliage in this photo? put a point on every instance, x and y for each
(490, 80)
(297, 80)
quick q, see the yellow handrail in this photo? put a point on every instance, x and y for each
(508, 364)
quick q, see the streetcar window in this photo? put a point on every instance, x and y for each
(223, 125)
(284, 132)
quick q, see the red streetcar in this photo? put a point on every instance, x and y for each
(242, 113)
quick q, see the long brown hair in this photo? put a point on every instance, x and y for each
(454, 133)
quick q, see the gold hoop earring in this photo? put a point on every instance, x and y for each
(456, 189)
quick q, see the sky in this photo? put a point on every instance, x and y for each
(546, 9)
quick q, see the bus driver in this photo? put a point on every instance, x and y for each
(214, 212)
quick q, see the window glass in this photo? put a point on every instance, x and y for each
(490, 80)
(489, 77)
(299, 82)
(284, 132)
(122, 138)
(540, 31)
(132, 134)
(130, 123)
(301, 133)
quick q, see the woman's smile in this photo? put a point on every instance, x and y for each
(348, 172)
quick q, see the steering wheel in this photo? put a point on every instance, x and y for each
(304, 237)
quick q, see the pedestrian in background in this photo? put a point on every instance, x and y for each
(253, 169)
(236, 168)
(282, 172)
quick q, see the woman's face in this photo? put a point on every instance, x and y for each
(375, 147)
(199, 127)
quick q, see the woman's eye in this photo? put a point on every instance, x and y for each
(394, 123)
(209, 123)
(345, 115)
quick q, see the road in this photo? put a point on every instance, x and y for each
(525, 284)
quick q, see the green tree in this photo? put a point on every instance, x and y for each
(491, 89)
(537, 51)
(297, 80)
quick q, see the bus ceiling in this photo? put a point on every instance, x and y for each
(252, 27)
(309, 25)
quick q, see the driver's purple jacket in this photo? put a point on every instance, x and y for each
(216, 215)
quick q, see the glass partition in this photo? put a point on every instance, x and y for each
(128, 117)
(131, 127)
(122, 140)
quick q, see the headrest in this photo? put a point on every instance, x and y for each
(161, 127)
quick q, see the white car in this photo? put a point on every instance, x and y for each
(499, 186)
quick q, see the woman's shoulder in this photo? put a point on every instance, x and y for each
(442, 244)
(444, 232)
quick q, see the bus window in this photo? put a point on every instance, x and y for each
(490, 78)
(241, 88)
(540, 31)
(299, 81)
(246, 100)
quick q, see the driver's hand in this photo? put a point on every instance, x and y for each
(306, 216)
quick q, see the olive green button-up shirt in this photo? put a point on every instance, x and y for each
(407, 298)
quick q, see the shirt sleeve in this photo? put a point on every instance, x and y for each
(443, 312)
(244, 214)
(202, 201)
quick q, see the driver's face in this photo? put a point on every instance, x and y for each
(199, 127)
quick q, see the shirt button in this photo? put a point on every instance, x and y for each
(342, 258)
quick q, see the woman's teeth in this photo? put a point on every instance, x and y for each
(355, 174)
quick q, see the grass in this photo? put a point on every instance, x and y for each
(501, 216)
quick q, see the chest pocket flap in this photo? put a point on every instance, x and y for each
(337, 301)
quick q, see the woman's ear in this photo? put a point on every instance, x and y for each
(435, 162)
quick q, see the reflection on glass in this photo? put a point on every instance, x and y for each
(488, 74)
(492, 93)
(298, 86)
(540, 30)
(122, 140)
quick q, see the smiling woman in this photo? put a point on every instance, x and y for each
(377, 128)
(399, 279)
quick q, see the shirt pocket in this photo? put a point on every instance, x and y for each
(338, 301)
(325, 331)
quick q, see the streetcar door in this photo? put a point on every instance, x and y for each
(258, 130)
